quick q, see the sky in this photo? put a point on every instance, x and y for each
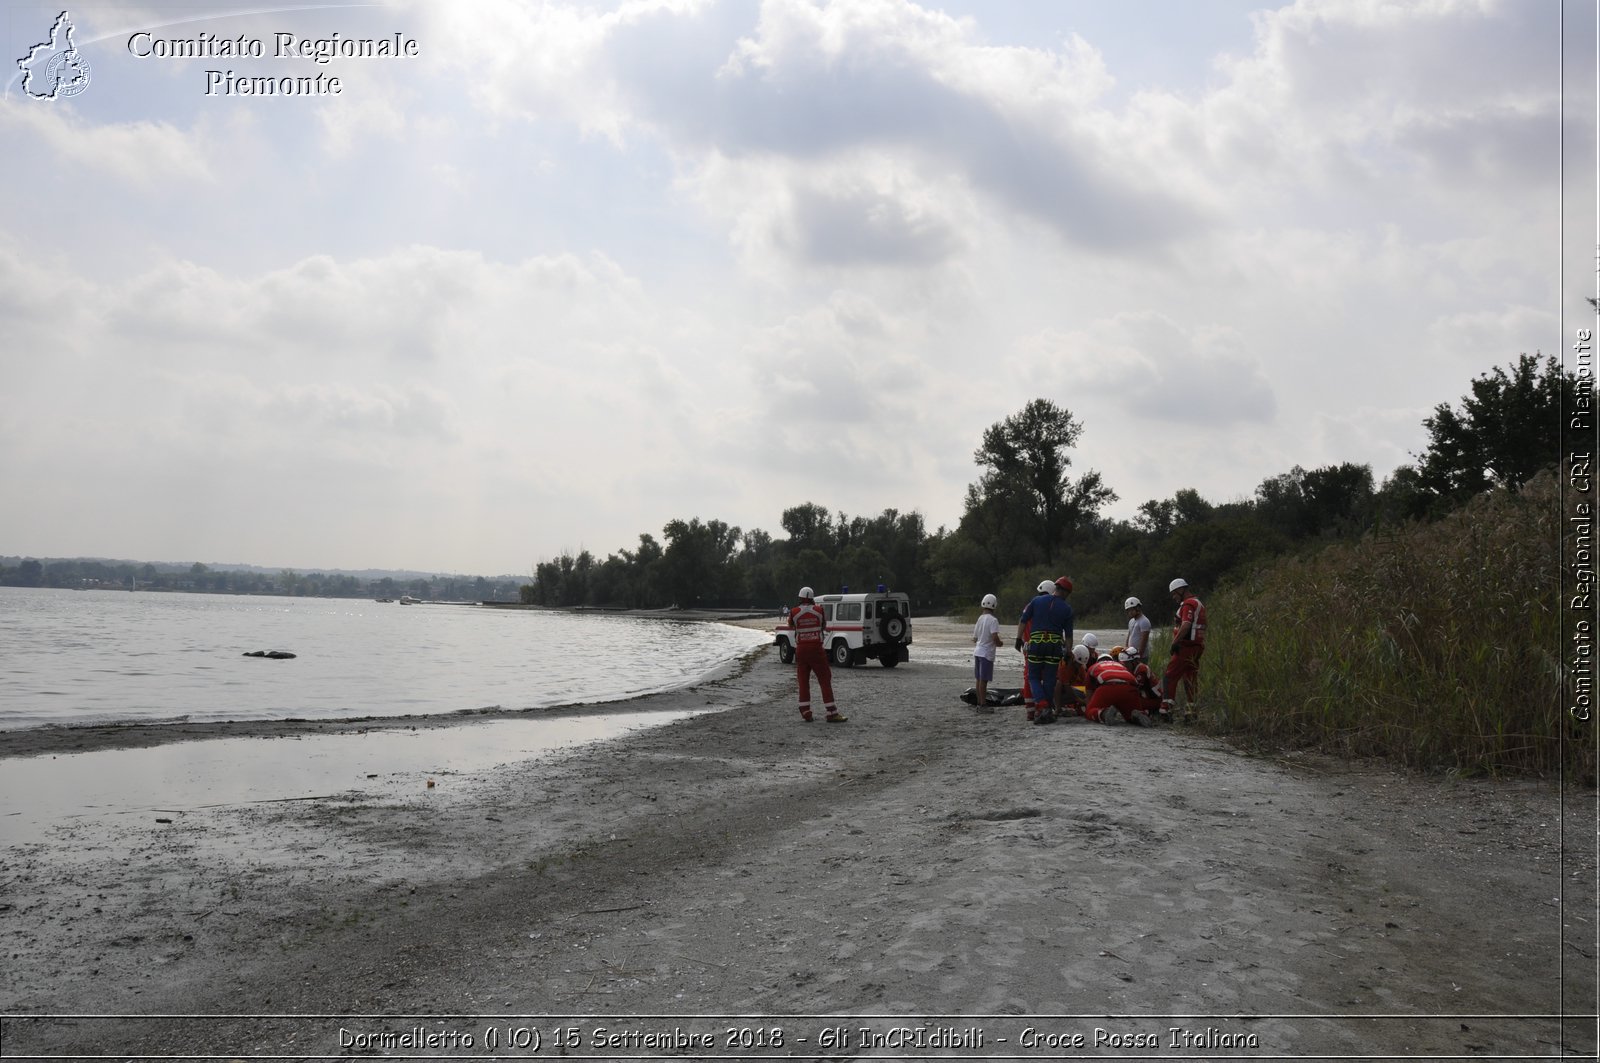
(572, 270)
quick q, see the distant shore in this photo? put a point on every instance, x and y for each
(668, 613)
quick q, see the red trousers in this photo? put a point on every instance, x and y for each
(809, 658)
(1113, 697)
(1183, 665)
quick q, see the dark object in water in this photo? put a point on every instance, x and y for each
(276, 655)
(994, 696)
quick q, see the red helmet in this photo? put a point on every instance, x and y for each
(1065, 584)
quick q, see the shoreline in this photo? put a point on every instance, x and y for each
(922, 860)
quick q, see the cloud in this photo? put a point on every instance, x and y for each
(1478, 338)
(1360, 94)
(873, 213)
(1016, 126)
(39, 296)
(1147, 367)
(863, 91)
(554, 384)
(532, 62)
(347, 124)
(882, 133)
(141, 153)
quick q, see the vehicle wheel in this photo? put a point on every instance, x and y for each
(893, 628)
(889, 660)
(785, 651)
(842, 657)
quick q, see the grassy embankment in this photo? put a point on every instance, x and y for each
(1438, 646)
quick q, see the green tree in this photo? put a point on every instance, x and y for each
(810, 527)
(760, 559)
(1401, 497)
(1026, 460)
(1331, 501)
(1506, 430)
(696, 563)
(1158, 518)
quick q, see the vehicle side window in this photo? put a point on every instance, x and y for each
(868, 613)
(849, 610)
(827, 611)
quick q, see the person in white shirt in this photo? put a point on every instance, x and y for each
(1138, 640)
(985, 639)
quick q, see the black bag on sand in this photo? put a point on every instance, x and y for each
(994, 696)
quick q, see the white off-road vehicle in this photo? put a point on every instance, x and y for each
(860, 627)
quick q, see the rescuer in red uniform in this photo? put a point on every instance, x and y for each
(1188, 643)
(1113, 693)
(810, 624)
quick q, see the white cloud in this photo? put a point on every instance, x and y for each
(1358, 94)
(544, 61)
(863, 212)
(348, 124)
(142, 153)
(1144, 366)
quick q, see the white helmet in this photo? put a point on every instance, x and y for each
(807, 592)
(1047, 586)
(989, 602)
(1132, 603)
(1091, 640)
(1082, 653)
(1175, 585)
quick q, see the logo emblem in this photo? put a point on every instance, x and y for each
(55, 68)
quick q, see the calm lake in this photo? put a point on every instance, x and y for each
(78, 657)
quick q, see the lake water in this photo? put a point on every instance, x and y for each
(80, 657)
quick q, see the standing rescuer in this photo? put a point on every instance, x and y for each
(1024, 629)
(1049, 621)
(1188, 643)
(810, 624)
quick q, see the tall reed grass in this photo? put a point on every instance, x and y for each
(1434, 645)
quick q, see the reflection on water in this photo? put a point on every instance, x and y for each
(101, 656)
(39, 794)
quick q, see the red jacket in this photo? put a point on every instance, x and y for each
(1109, 671)
(1192, 613)
(809, 623)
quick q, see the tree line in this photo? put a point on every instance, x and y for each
(1028, 516)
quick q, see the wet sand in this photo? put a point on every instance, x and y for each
(922, 867)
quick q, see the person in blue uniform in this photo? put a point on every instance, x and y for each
(1049, 624)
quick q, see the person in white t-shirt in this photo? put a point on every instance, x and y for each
(1138, 640)
(985, 640)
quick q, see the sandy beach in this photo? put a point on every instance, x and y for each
(922, 881)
